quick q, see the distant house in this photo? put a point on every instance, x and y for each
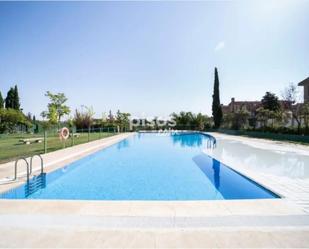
(235, 106)
(252, 106)
(305, 84)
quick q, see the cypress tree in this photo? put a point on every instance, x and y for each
(9, 100)
(16, 103)
(216, 106)
(1, 101)
(12, 99)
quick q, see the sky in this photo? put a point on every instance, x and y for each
(151, 58)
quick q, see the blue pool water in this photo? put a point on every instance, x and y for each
(145, 167)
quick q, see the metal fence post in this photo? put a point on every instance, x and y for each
(72, 136)
(88, 134)
(100, 132)
(45, 141)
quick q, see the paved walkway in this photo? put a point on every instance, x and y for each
(152, 224)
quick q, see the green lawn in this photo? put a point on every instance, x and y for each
(11, 148)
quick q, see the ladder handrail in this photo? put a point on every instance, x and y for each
(27, 164)
(42, 163)
(211, 143)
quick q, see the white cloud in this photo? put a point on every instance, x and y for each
(220, 46)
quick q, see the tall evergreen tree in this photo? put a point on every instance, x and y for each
(1, 101)
(16, 103)
(216, 106)
(9, 100)
(12, 99)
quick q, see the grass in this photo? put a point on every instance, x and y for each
(11, 148)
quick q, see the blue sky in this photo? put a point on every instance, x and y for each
(151, 58)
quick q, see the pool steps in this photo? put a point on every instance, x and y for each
(28, 167)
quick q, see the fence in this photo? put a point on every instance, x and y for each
(15, 145)
(268, 135)
(166, 127)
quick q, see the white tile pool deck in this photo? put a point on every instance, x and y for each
(164, 224)
(291, 185)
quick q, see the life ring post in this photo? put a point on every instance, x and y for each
(64, 133)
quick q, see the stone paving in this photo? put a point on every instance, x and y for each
(155, 224)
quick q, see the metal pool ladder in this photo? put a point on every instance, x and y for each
(29, 167)
(42, 163)
(211, 143)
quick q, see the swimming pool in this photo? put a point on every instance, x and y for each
(148, 166)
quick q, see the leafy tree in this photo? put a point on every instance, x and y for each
(188, 120)
(305, 114)
(240, 118)
(184, 120)
(122, 119)
(291, 95)
(275, 117)
(103, 121)
(83, 118)
(51, 115)
(262, 115)
(227, 120)
(56, 108)
(1, 101)
(270, 102)
(282, 117)
(296, 111)
(10, 118)
(216, 106)
(265, 115)
(201, 121)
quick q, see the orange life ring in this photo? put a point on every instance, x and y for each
(64, 133)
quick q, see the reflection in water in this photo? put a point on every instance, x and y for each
(216, 169)
(227, 182)
(188, 140)
(210, 167)
(123, 144)
(280, 163)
